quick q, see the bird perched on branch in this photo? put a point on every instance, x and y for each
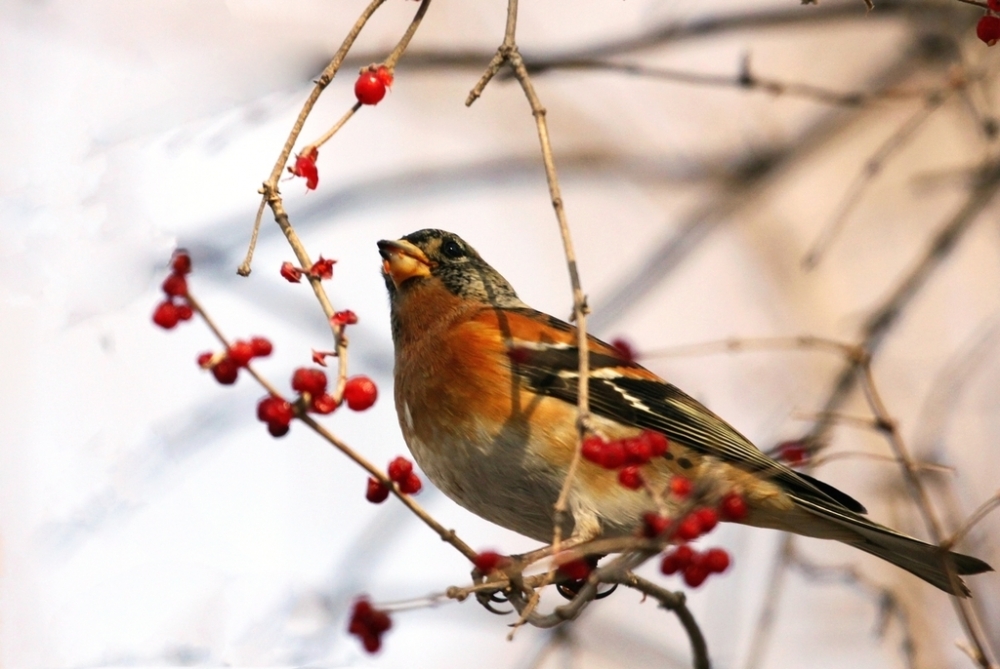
(486, 393)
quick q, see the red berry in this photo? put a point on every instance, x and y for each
(410, 485)
(323, 404)
(342, 318)
(613, 455)
(261, 347)
(716, 560)
(593, 449)
(312, 381)
(175, 285)
(638, 451)
(690, 528)
(988, 29)
(658, 444)
(377, 491)
(793, 452)
(681, 486)
(181, 262)
(669, 564)
(994, 5)
(653, 525)
(184, 312)
(684, 555)
(624, 349)
(275, 410)
(226, 371)
(369, 89)
(166, 315)
(733, 507)
(488, 561)
(322, 268)
(695, 575)
(707, 518)
(630, 477)
(360, 393)
(399, 469)
(205, 360)
(290, 272)
(305, 166)
(384, 75)
(241, 352)
(576, 570)
(277, 429)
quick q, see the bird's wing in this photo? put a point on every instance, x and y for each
(628, 393)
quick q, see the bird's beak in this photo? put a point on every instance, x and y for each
(401, 260)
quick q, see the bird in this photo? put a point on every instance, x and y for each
(486, 390)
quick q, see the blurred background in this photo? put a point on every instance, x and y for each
(706, 151)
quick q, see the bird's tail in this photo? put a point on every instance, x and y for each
(939, 568)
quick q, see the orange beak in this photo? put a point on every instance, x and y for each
(402, 261)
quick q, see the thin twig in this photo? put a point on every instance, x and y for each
(984, 510)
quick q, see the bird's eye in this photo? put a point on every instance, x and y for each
(452, 249)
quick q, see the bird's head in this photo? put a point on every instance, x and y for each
(435, 258)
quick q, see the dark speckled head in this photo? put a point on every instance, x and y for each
(428, 255)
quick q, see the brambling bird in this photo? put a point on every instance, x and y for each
(486, 393)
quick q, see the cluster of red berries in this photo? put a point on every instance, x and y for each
(696, 566)
(369, 624)
(305, 167)
(175, 308)
(372, 84)
(401, 472)
(321, 269)
(488, 561)
(360, 393)
(625, 454)
(226, 366)
(988, 28)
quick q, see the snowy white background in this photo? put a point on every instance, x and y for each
(146, 518)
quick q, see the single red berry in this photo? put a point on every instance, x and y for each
(175, 285)
(181, 262)
(793, 452)
(275, 410)
(576, 570)
(184, 311)
(653, 525)
(638, 451)
(994, 5)
(630, 477)
(988, 29)
(681, 486)
(205, 360)
(371, 642)
(305, 166)
(487, 561)
(399, 469)
(689, 528)
(290, 272)
(323, 404)
(669, 564)
(166, 315)
(684, 555)
(261, 347)
(379, 621)
(695, 575)
(322, 268)
(226, 371)
(312, 381)
(342, 318)
(593, 449)
(733, 507)
(613, 455)
(369, 89)
(384, 75)
(410, 485)
(707, 518)
(360, 393)
(377, 491)
(658, 444)
(241, 352)
(278, 429)
(716, 560)
(624, 349)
